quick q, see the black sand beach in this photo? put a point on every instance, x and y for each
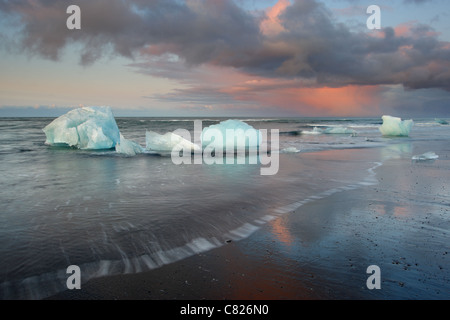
(322, 249)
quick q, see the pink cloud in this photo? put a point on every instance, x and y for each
(272, 25)
(412, 29)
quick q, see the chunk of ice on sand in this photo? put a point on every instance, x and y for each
(231, 134)
(395, 127)
(84, 128)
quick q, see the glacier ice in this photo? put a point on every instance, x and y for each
(84, 128)
(167, 142)
(393, 126)
(128, 147)
(426, 156)
(231, 134)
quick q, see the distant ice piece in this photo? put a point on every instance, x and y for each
(244, 135)
(426, 156)
(339, 130)
(167, 142)
(128, 147)
(441, 121)
(393, 126)
(84, 128)
(290, 150)
(332, 130)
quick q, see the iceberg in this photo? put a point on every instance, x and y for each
(167, 142)
(426, 156)
(393, 126)
(128, 147)
(231, 134)
(84, 128)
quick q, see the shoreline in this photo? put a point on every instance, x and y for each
(321, 250)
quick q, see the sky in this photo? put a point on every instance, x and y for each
(258, 58)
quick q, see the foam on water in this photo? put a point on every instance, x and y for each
(426, 156)
(339, 130)
(315, 131)
(242, 232)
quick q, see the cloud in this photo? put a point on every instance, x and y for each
(292, 40)
(198, 30)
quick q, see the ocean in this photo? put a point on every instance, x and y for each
(114, 214)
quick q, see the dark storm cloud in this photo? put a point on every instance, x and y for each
(312, 45)
(335, 56)
(198, 32)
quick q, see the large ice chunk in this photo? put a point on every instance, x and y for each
(231, 134)
(84, 128)
(167, 142)
(128, 147)
(393, 126)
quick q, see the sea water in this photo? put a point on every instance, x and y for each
(112, 214)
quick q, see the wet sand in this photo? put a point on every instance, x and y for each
(322, 249)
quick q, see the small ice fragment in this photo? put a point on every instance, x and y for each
(290, 150)
(167, 142)
(426, 156)
(393, 126)
(128, 147)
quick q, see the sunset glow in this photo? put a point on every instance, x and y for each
(172, 58)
